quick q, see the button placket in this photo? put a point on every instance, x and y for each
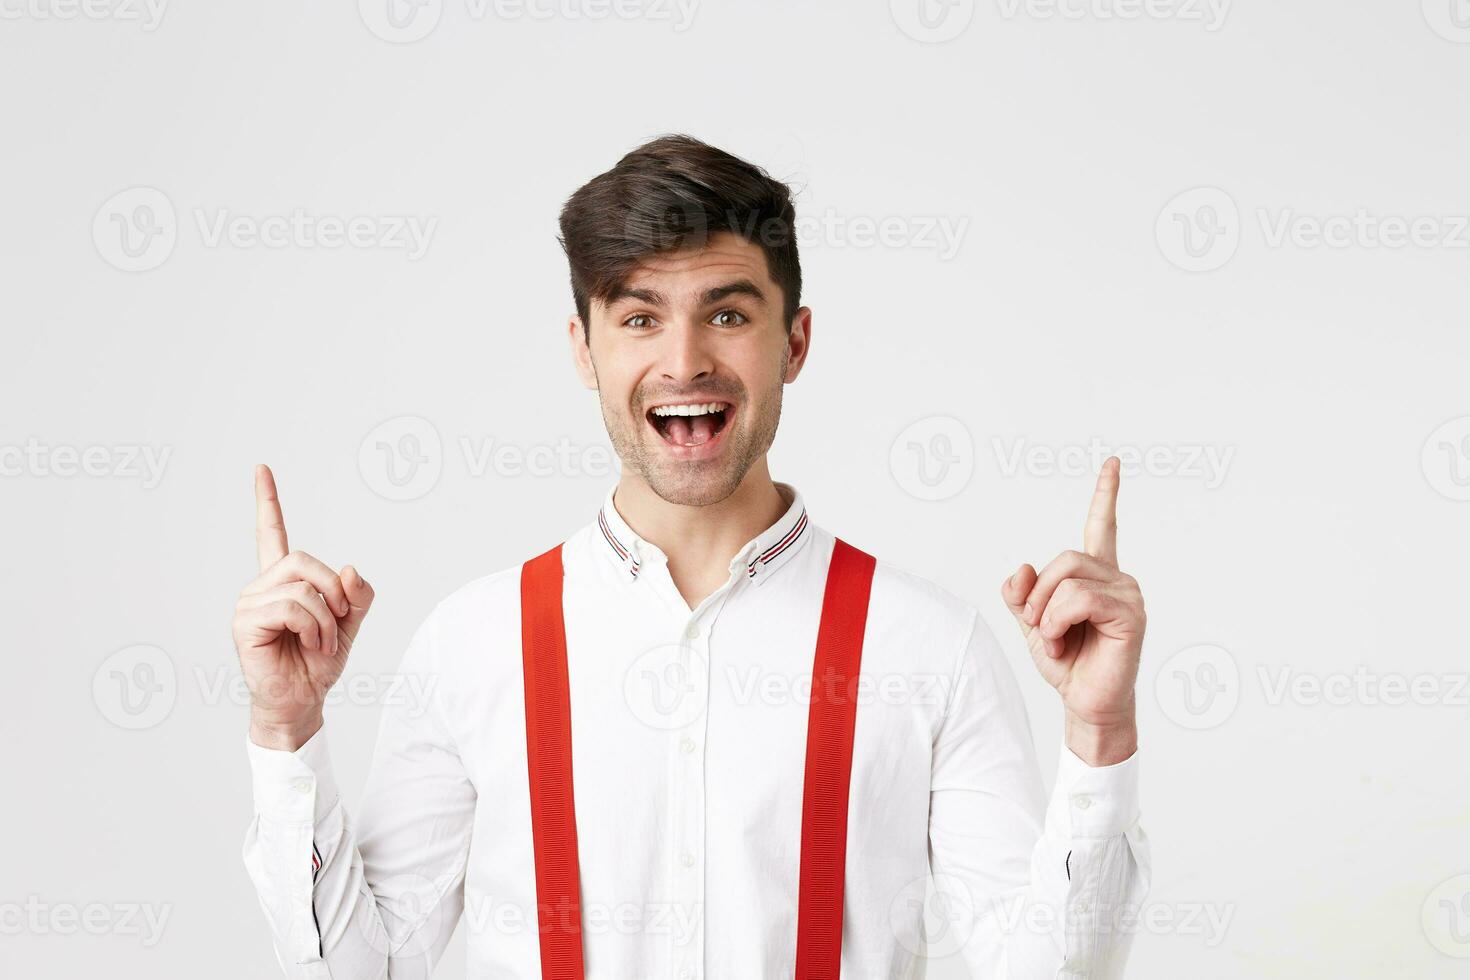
(686, 854)
(686, 766)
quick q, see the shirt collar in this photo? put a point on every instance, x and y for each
(760, 556)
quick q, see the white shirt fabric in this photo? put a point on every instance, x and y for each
(689, 741)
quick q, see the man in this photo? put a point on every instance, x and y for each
(702, 737)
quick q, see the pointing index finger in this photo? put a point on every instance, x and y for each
(1100, 533)
(270, 526)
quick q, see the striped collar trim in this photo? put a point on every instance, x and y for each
(622, 552)
(766, 552)
(795, 530)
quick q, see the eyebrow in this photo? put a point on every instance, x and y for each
(649, 296)
(737, 287)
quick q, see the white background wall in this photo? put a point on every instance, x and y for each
(1294, 834)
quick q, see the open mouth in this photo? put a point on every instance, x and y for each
(690, 426)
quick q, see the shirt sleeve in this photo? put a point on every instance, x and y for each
(351, 901)
(1023, 889)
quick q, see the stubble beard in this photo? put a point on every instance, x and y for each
(697, 483)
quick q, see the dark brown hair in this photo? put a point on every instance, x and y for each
(669, 194)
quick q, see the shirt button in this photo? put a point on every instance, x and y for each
(1081, 802)
(686, 744)
(1082, 908)
(686, 974)
(686, 859)
(692, 632)
(301, 785)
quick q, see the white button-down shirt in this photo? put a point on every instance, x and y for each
(688, 737)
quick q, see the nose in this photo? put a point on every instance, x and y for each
(686, 356)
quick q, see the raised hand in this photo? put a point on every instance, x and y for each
(293, 627)
(1083, 621)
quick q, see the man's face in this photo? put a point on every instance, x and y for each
(688, 330)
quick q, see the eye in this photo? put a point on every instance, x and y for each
(639, 321)
(729, 318)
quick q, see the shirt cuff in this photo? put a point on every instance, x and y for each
(1093, 801)
(293, 786)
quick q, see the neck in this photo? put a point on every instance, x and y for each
(700, 540)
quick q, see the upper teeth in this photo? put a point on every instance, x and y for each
(704, 409)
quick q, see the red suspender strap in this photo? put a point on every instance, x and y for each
(829, 734)
(549, 762)
(830, 725)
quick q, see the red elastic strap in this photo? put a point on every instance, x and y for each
(549, 764)
(830, 726)
(829, 734)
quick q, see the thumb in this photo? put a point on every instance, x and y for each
(359, 600)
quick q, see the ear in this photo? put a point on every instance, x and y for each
(799, 340)
(581, 354)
